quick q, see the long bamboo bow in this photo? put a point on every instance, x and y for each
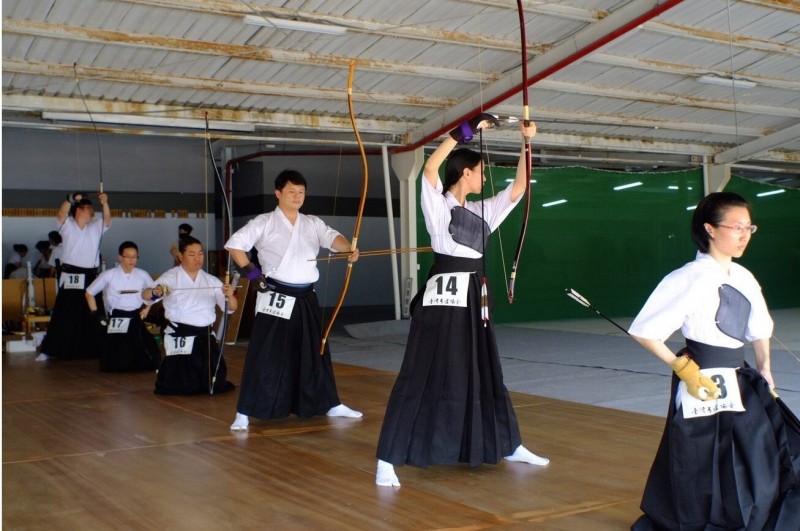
(354, 240)
(526, 122)
(212, 380)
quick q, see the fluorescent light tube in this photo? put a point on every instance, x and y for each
(629, 185)
(727, 82)
(132, 119)
(773, 192)
(553, 203)
(294, 25)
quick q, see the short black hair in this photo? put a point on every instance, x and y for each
(20, 248)
(289, 176)
(711, 209)
(186, 241)
(127, 245)
(84, 201)
(185, 227)
(42, 246)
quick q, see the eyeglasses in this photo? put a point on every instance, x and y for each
(739, 228)
(130, 257)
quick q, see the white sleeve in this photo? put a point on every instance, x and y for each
(100, 282)
(666, 309)
(245, 238)
(325, 234)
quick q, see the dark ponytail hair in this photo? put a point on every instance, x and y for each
(458, 161)
(711, 209)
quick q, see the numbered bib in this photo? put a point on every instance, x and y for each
(118, 325)
(447, 289)
(730, 399)
(178, 346)
(73, 280)
(276, 304)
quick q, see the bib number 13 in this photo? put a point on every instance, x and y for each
(447, 289)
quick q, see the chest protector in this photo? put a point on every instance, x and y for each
(468, 229)
(733, 312)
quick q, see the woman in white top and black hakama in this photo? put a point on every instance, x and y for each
(729, 457)
(449, 403)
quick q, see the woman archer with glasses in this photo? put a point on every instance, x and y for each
(729, 456)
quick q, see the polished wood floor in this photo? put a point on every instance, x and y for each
(88, 450)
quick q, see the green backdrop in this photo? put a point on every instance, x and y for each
(614, 246)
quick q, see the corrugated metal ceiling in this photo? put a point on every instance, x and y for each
(421, 66)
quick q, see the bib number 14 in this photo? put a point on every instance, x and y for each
(447, 289)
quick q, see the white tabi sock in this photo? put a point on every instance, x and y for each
(343, 411)
(42, 357)
(385, 476)
(523, 455)
(240, 423)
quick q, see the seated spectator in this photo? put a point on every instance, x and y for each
(15, 262)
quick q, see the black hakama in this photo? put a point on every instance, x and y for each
(284, 372)
(192, 374)
(732, 470)
(134, 350)
(449, 403)
(73, 332)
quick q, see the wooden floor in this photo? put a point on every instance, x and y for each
(88, 450)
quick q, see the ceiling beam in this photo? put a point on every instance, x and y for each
(625, 120)
(279, 120)
(215, 85)
(240, 51)
(722, 37)
(756, 147)
(237, 8)
(666, 98)
(687, 70)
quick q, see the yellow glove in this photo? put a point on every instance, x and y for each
(699, 386)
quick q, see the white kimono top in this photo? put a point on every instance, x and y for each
(81, 245)
(195, 307)
(285, 251)
(688, 298)
(114, 280)
(436, 208)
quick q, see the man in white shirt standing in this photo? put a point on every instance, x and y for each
(72, 332)
(284, 372)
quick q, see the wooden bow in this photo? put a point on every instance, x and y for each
(354, 240)
(526, 122)
(226, 202)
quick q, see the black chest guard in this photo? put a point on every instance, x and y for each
(733, 312)
(468, 229)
